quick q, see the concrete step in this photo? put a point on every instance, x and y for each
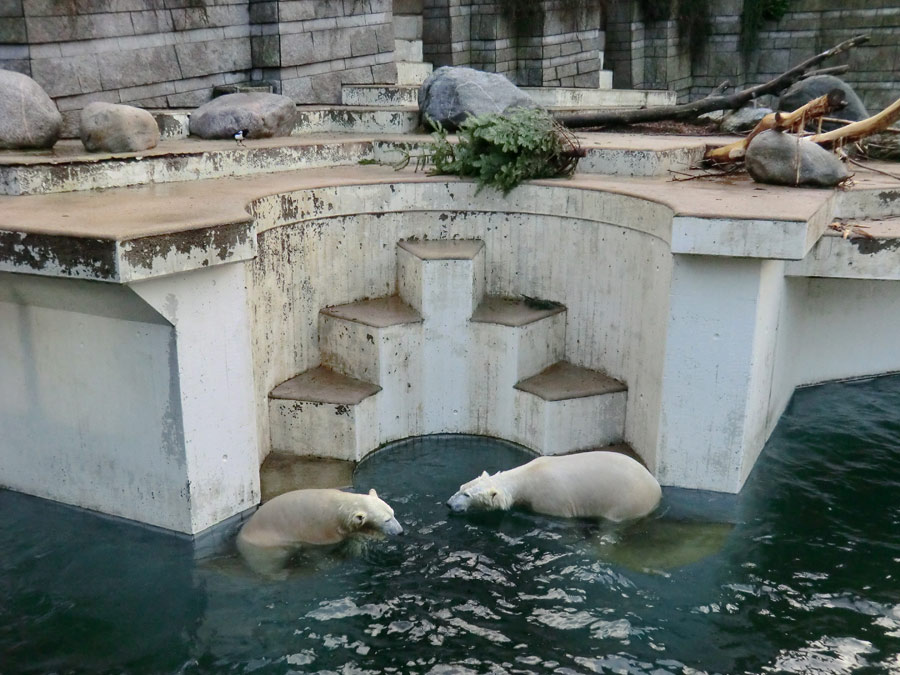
(443, 280)
(322, 413)
(378, 341)
(553, 98)
(355, 120)
(365, 339)
(380, 95)
(565, 408)
(512, 339)
(282, 473)
(561, 98)
(414, 73)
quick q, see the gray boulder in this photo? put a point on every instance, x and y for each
(453, 93)
(261, 115)
(744, 119)
(28, 117)
(110, 127)
(773, 157)
(804, 91)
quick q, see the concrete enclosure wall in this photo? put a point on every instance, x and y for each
(650, 56)
(617, 310)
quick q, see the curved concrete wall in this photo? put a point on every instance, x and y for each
(605, 256)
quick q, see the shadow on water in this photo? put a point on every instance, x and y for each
(797, 574)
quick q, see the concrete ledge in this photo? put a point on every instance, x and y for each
(323, 385)
(563, 381)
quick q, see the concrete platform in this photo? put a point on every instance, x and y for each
(515, 312)
(711, 299)
(564, 380)
(324, 385)
(282, 473)
(376, 312)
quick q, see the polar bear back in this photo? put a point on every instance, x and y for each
(599, 484)
(301, 516)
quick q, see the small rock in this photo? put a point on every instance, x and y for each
(804, 91)
(453, 93)
(744, 119)
(111, 127)
(773, 157)
(28, 117)
(262, 115)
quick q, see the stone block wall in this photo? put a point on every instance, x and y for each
(555, 47)
(650, 55)
(311, 47)
(150, 53)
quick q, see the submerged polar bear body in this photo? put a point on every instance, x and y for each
(600, 484)
(310, 517)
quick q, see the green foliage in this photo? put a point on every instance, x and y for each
(502, 150)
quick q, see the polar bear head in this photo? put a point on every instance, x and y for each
(371, 514)
(484, 493)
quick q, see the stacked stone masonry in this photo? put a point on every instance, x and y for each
(650, 55)
(172, 53)
(549, 44)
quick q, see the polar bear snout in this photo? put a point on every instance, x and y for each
(392, 526)
(458, 503)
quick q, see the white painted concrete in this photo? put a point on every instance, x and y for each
(560, 427)
(90, 403)
(210, 315)
(332, 430)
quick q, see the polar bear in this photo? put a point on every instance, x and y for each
(598, 484)
(312, 517)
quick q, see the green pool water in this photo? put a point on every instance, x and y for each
(800, 573)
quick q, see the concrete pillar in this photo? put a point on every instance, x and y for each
(210, 315)
(720, 352)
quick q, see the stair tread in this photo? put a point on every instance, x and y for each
(514, 311)
(564, 380)
(442, 249)
(377, 312)
(324, 385)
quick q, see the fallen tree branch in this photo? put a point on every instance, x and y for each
(708, 103)
(834, 70)
(793, 121)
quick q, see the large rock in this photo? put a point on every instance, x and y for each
(263, 115)
(804, 91)
(453, 93)
(110, 127)
(28, 117)
(773, 157)
(744, 119)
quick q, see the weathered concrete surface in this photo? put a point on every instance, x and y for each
(282, 473)
(660, 304)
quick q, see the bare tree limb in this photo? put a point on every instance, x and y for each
(834, 70)
(709, 103)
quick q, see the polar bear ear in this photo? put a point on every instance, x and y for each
(359, 518)
(372, 493)
(492, 494)
(484, 474)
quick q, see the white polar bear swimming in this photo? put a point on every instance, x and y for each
(599, 484)
(317, 517)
